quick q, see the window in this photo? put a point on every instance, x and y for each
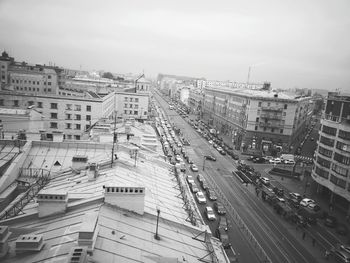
(323, 173)
(48, 90)
(341, 158)
(88, 117)
(285, 106)
(77, 107)
(281, 130)
(264, 128)
(53, 105)
(53, 125)
(125, 105)
(87, 127)
(136, 112)
(53, 115)
(256, 128)
(342, 146)
(329, 130)
(77, 126)
(77, 137)
(136, 99)
(327, 141)
(344, 134)
(88, 108)
(77, 117)
(15, 103)
(272, 130)
(68, 106)
(130, 112)
(259, 104)
(257, 119)
(40, 104)
(131, 99)
(49, 76)
(325, 152)
(323, 162)
(125, 98)
(68, 116)
(37, 83)
(30, 82)
(284, 114)
(339, 170)
(1, 102)
(49, 83)
(136, 106)
(268, 104)
(125, 112)
(130, 106)
(68, 126)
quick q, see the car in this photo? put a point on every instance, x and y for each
(210, 213)
(222, 152)
(306, 201)
(210, 157)
(330, 221)
(194, 188)
(259, 160)
(312, 139)
(178, 158)
(223, 223)
(268, 158)
(219, 208)
(234, 156)
(200, 178)
(194, 167)
(204, 185)
(265, 181)
(289, 161)
(223, 236)
(201, 198)
(295, 196)
(190, 179)
(314, 207)
(189, 161)
(275, 161)
(211, 194)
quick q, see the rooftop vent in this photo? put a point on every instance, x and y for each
(276, 95)
(93, 171)
(77, 255)
(29, 243)
(51, 202)
(129, 198)
(88, 233)
(4, 236)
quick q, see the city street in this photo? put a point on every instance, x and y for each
(247, 213)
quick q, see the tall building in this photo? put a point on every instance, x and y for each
(260, 120)
(332, 158)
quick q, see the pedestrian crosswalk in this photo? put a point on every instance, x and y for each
(303, 158)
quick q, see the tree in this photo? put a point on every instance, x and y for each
(108, 75)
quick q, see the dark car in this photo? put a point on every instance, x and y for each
(258, 160)
(330, 221)
(342, 229)
(204, 185)
(211, 194)
(210, 157)
(200, 178)
(223, 236)
(235, 156)
(219, 208)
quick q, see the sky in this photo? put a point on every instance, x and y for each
(290, 43)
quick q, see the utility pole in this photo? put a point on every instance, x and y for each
(114, 138)
(156, 236)
(248, 74)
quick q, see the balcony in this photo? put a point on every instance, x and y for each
(337, 119)
(272, 109)
(271, 116)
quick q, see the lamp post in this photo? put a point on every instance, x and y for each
(156, 236)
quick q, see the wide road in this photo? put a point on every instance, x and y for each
(245, 209)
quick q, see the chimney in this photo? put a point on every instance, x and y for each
(93, 171)
(127, 197)
(52, 202)
(4, 236)
(77, 255)
(88, 233)
(79, 161)
(29, 243)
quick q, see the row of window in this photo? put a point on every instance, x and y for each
(327, 141)
(69, 126)
(54, 115)
(70, 107)
(321, 172)
(272, 129)
(340, 170)
(333, 131)
(131, 99)
(269, 104)
(323, 162)
(131, 112)
(135, 106)
(325, 152)
(342, 159)
(337, 181)
(124, 190)
(32, 89)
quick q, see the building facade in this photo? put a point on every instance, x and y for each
(131, 105)
(332, 158)
(256, 119)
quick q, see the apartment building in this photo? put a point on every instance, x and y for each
(65, 118)
(332, 158)
(256, 119)
(132, 105)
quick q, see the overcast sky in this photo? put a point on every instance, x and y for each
(290, 43)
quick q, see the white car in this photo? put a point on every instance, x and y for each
(275, 160)
(194, 168)
(210, 142)
(201, 198)
(210, 213)
(306, 201)
(265, 181)
(178, 158)
(289, 161)
(190, 179)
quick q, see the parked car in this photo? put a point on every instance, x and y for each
(194, 188)
(330, 221)
(314, 207)
(295, 196)
(219, 208)
(200, 178)
(306, 201)
(234, 156)
(275, 161)
(210, 157)
(268, 158)
(223, 236)
(211, 194)
(190, 179)
(259, 160)
(201, 198)
(289, 161)
(204, 185)
(223, 223)
(194, 167)
(265, 181)
(210, 213)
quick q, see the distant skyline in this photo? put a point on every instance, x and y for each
(290, 43)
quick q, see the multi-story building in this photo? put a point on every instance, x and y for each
(256, 119)
(331, 170)
(132, 105)
(66, 118)
(195, 100)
